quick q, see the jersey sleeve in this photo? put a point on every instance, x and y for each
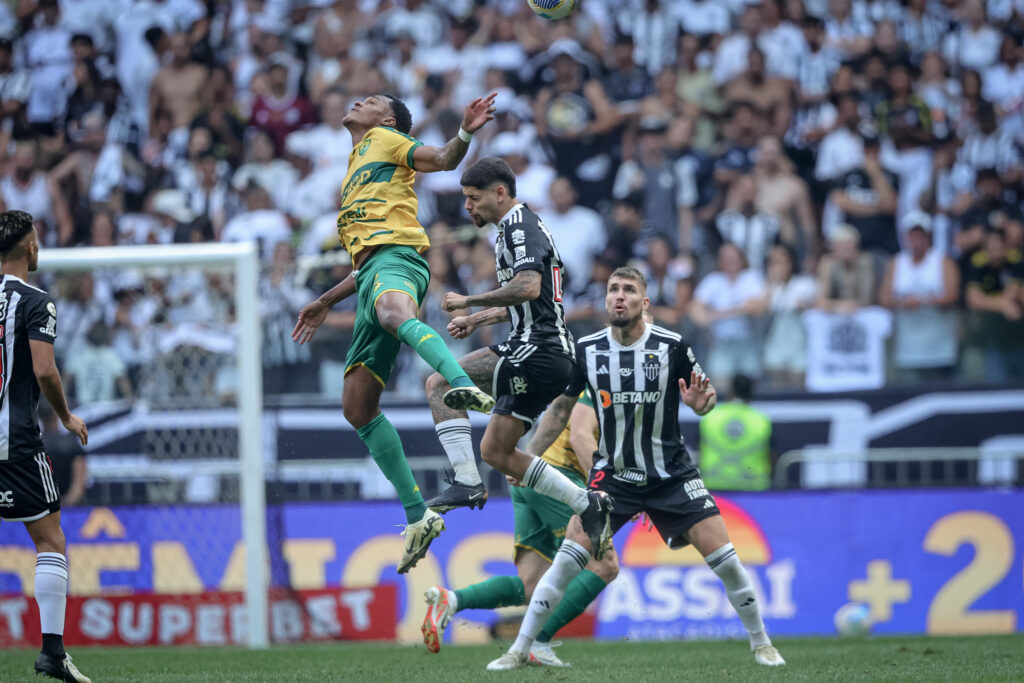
(684, 362)
(41, 319)
(528, 247)
(398, 146)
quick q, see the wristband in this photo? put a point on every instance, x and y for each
(464, 135)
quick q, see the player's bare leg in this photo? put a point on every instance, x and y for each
(711, 539)
(361, 405)
(456, 436)
(397, 313)
(498, 449)
(51, 596)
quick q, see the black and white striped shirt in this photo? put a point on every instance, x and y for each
(635, 392)
(26, 312)
(524, 243)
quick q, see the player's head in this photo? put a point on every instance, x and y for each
(18, 239)
(742, 387)
(380, 110)
(489, 186)
(626, 297)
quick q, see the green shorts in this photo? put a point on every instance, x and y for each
(540, 521)
(389, 269)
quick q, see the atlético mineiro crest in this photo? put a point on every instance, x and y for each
(652, 366)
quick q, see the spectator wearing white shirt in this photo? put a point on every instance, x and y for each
(15, 88)
(27, 188)
(47, 52)
(261, 223)
(533, 179)
(848, 31)
(990, 146)
(276, 176)
(842, 150)
(703, 17)
(327, 144)
(731, 54)
(782, 42)
(417, 17)
(787, 295)
(654, 28)
(726, 302)
(95, 370)
(922, 27)
(975, 44)
(1003, 85)
(920, 285)
(578, 233)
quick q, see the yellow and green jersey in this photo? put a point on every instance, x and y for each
(378, 205)
(561, 453)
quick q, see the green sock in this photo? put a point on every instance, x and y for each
(386, 448)
(581, 592)
(431, 348)
(497, 591)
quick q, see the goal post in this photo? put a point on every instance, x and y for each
(243, 261)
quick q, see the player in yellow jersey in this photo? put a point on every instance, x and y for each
(540, 524)
(377, 225)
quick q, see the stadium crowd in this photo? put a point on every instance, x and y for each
(775, 168)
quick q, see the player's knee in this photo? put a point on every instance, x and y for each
(436, 383)
(51, 540)
(493, 452)
(357, 415)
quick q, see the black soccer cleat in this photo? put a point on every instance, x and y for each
(61, 668)
(597, 523)
(459, 495)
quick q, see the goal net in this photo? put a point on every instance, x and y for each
(160, 350)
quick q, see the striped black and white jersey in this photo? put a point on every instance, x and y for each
(26, 312)
(523, 243)
(635, 391)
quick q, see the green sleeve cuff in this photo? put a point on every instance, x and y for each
(408, 157)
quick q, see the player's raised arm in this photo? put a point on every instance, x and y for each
(430, 159)
(462, 326)
(699, 395)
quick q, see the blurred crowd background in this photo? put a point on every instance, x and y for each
(772, 167)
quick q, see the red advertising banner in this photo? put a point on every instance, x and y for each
(210, 618)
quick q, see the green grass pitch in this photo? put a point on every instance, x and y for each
(988, 658)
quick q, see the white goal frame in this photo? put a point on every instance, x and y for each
(244, 261)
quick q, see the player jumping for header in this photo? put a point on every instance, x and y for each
(525, 372)
(636, 374)
(377, 225)
(28, 328)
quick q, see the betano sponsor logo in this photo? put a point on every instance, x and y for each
(615, 398)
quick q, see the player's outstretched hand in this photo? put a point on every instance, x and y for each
(698, 394)
(478, 112)
(76, 426)
(453, 302)
(461, 327)
(311, 317)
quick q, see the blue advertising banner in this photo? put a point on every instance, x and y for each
(923, 561)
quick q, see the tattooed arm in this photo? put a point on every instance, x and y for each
(525, 286)
(462, 326)
(552, 424)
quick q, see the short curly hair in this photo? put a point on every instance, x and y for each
(403, 119)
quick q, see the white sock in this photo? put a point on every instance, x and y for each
(553, 484)
(740, 590)
(457, 438)
(570, 560)
(51, 591)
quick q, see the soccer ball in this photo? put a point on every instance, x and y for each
(552, 9)
(853, 619)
